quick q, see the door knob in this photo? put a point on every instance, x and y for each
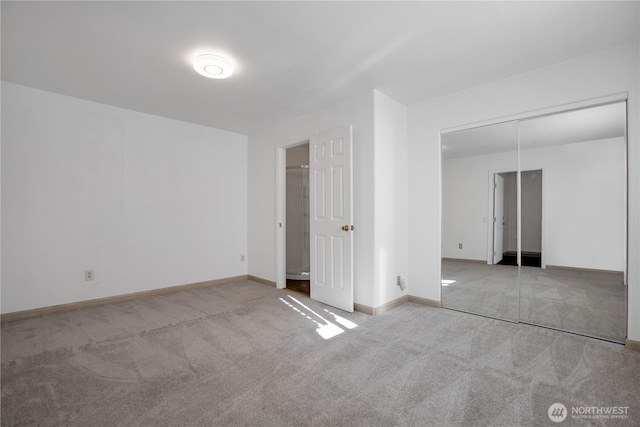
(345, 227)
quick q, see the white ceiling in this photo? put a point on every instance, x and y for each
(587, 124)
(291, 57)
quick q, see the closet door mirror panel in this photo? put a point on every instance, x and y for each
(479, 226)
(573, 193)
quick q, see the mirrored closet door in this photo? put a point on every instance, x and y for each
(537, 234)
(479, 221)
(574, 214)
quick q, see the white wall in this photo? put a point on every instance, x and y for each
(146, 202)
(584, 192)
(466, 215)
(583, 197)
(599, 74)
(356, 111)
(391, 197)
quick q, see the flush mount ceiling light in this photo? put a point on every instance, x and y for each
(213, 66)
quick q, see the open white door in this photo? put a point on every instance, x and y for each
(498, 217)
(331, 229)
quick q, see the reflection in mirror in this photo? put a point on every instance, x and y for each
(479, 226)
(575, 198)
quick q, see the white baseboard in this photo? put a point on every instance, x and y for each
(35, 312)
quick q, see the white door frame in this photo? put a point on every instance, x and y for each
(543, 245)
(281, 200)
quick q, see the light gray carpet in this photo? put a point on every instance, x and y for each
(247, 354)
(589, 303)
(490, 290)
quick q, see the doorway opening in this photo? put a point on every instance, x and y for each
(506, 208)
(297, 224)
(330, 195)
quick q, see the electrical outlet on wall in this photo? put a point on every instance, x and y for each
(88, 275)
(242, 258)
(400, 282)
(459, 245)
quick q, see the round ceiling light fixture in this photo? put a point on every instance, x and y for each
(213, 66)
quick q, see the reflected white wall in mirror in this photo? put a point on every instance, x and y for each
(470, 158)
(584, 158)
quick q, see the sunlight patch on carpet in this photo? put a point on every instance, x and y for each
(325, 328)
